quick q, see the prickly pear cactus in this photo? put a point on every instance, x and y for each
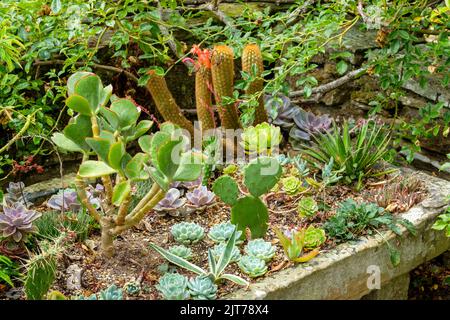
(222, 70)
(261, 175)
(227, 189)
(252, 62)
(165, 102)
(250, 212)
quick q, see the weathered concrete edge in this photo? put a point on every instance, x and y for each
(342, 273)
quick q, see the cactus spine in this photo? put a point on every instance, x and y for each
(165, 102)
(252, 56)
(203, 83)
(222, 69)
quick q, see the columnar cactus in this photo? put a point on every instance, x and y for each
(222, 70)
(252, 60)
(203, 88)
(165, 102)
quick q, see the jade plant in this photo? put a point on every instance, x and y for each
(221, 232)
(260, 249)
(216, 267)
(102, 131)
(307, 207)
(181, 251)
(173, 286)
(202, 288)
(260, 175)
(187, 232)
(253, 266)
(293, 243)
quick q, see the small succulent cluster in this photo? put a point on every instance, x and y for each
(281, 110)
(293, 243)
(219, 249)
(307, 207)
(260, 249)
(301, 165)
(202, 288)
(187, 232)
(307, 124)
(252, 266)
(132, 288)
(16, 222)
(283, 159)
(15, 193)
(111, 293)
(314, 237)
(261, 139)
(171, 201)
(292, 185)
(200, 197)
(173, 286)
(181, 251)
(222, 232)
(65, 200)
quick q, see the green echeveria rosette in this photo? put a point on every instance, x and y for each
(252, 266)
(307, 207)
(132, 288)
(261, 139)
(202, 288)
(181, 251)
(314, 237)
(292, 185)
(187, 232)
(173, 286)
(260, 249)
(218, 250)
(221, 232)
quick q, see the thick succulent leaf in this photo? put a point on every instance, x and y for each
(100, 146)
(90, 87)
(104, 134)
(126, 111)
(73, 79)
(250, 212)
(157, 141)
(227, 254)
(261, 174)
(227, 189)
(65, 143)
(211, 262)
(135, 167)
(111, 117)
(145, 142)
(105, 95)
(236, 279)
(307, 257)
(78, 130)
(94, 169)
(116, 152)
(168, 157)
(159, 178)
(141, 128)
(190, 167)
(121, 192)
(79, 104)
(177, 260)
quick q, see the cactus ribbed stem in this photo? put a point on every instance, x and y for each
(222, 69)
(166, 104)
(203, 83)
(252, 56)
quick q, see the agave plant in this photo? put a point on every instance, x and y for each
(307, 124)
(17, 222)
(281, 110)
(219, 249)
(293, 242)
(171, 201)
(200, 197)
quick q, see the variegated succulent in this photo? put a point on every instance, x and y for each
(252, 266)
(200, 197)
(16, 222)
(219, 249)
(187, 232)
(260, 249)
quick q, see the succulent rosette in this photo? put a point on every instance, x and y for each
(16, 222)
(200, 197)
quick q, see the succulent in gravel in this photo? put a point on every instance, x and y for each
(200, 196)
(262, 138)
(307, 207)
(171, 201)
(301, 165)
(283, 159)
(314, 237)
(65, 200)
(252, 266)
(132, 288)
(173, 286)
(202, 288)
(16, 222)
(187, 232)
(111, 293)
(292, 185)
(181, 251)
(307, 124)
(221, 232)
(219, 248)
(281, 110)
(260, 249)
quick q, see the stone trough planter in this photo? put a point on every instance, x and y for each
(363, 269)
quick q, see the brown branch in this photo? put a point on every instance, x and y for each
(214, 8)
(333, 84)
